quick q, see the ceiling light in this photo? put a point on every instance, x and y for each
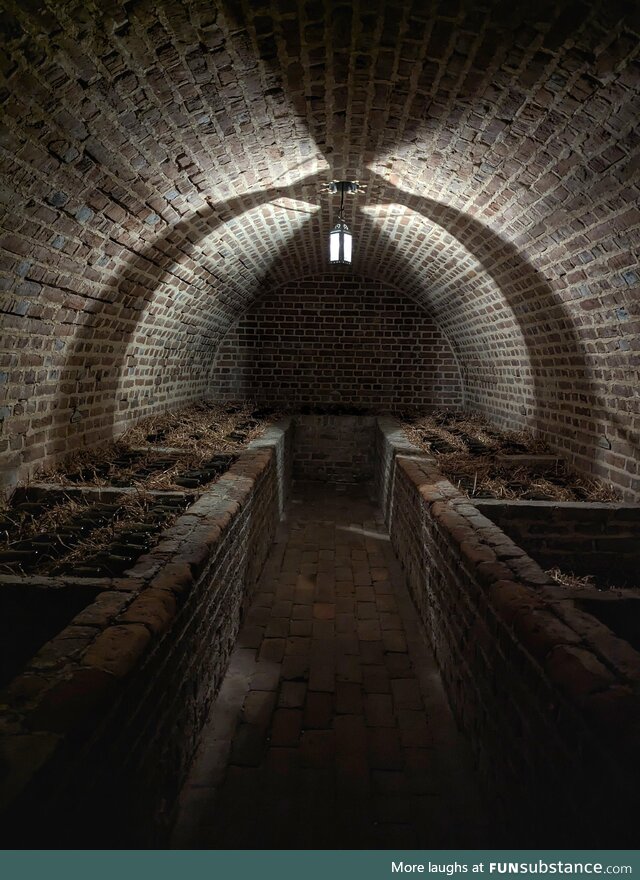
(340, 238)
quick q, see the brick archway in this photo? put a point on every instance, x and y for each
(166, 163)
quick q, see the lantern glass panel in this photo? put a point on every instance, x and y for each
(334, 246)
(347, 247)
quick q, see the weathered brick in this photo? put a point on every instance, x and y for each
(414, 364)
(74, 700)
(118, 649)
(577, 672)
(499, 223)
(153, 608)
(529, 675)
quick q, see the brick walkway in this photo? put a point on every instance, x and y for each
(331, 729)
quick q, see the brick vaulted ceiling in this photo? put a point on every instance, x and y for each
(163, 165)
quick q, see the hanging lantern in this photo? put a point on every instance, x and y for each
(340, 237)
(340, 243)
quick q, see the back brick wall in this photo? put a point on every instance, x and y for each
(337, 339)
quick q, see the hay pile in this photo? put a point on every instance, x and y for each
(488, 477)
(591, 582)
(451, 427)
(65, 518)
(133, 510)
(200, 431)
(202, 427)
(152, 455)
(474, 467)
(20, 526)
(568, 579)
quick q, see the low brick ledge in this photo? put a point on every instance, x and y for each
(592, 672)
(512, 579)
(76, 675)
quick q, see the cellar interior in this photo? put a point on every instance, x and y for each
(309, 554)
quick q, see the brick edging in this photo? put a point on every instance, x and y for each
(62, 696)
(507, 614)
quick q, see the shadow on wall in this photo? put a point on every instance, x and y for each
(557, 373)
(508, 269)
(563, 394)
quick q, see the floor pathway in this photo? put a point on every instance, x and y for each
(331, 729)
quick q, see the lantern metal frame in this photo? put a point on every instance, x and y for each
(340, 243)
(341, 237)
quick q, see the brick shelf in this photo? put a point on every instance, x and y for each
(102, 724)
(587, 539)
(546, 692)
(100, 727)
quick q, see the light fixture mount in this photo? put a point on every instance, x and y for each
(349, 187)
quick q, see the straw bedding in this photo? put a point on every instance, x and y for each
(475, 468)
(200, 431)
(138, 459)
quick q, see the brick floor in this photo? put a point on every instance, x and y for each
(331, 729)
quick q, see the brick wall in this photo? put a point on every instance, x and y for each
(334, 449)
(99, 730)
(546, 694)
(164, 165)
(594, 539)
(337, 339)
